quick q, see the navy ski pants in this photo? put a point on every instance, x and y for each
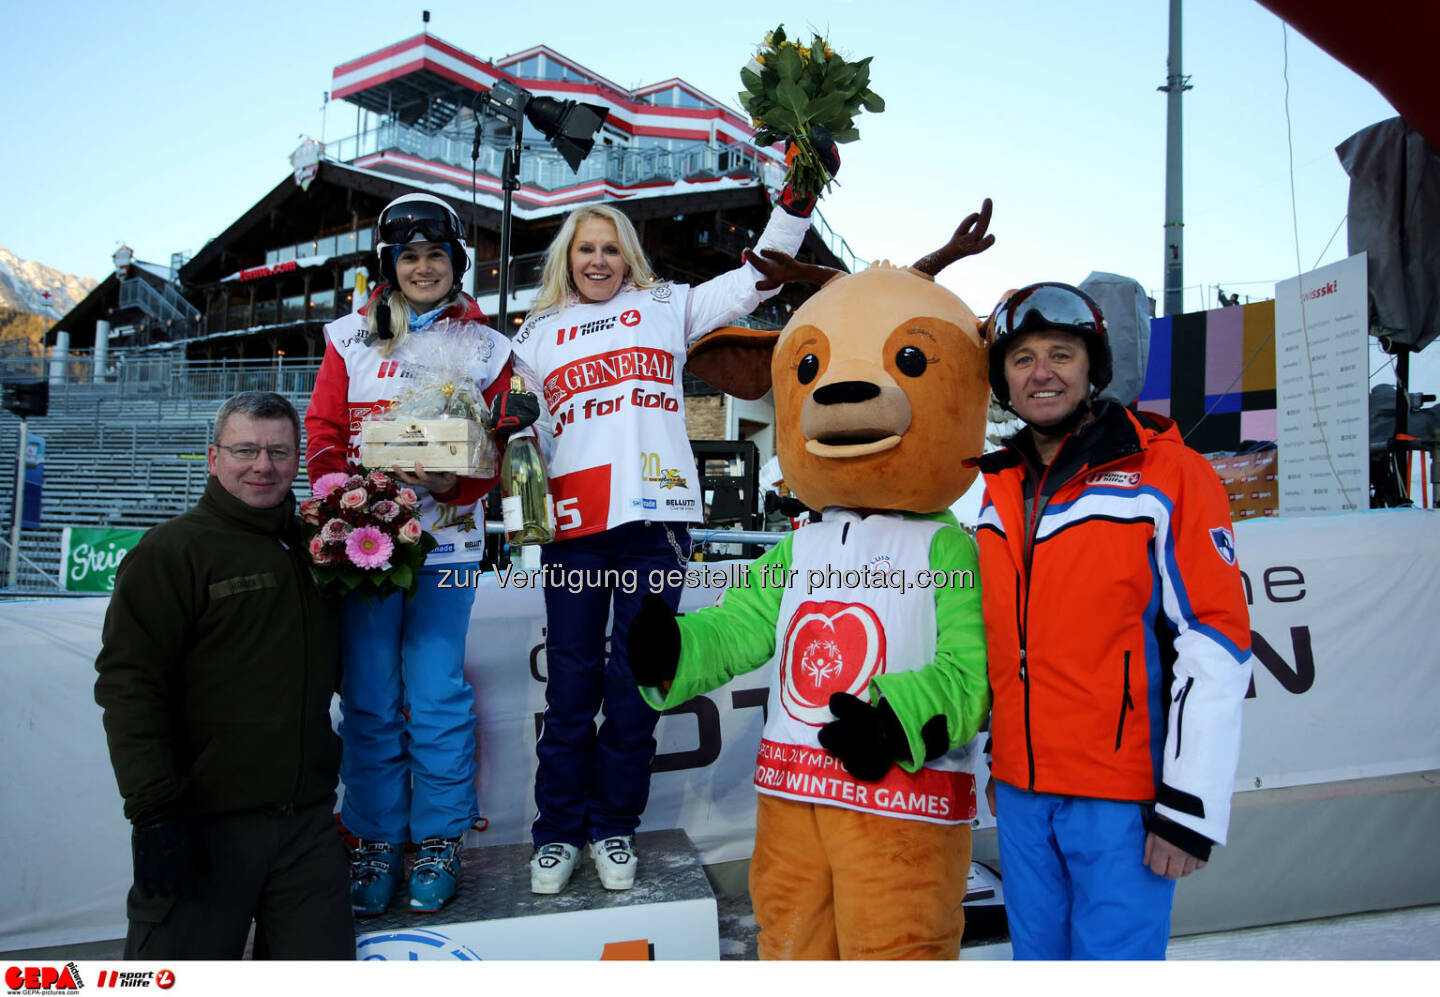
(591, 784)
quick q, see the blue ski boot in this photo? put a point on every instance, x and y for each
(375, 868)
(435, 874)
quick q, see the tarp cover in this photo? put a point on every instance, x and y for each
(1394, 217)
(1126, 308)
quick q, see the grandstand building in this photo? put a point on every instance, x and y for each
(680, 164)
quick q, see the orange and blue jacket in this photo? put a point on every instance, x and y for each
(1115, 617)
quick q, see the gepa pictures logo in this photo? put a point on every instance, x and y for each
(41, 979)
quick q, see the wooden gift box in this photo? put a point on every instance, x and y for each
(459, 446)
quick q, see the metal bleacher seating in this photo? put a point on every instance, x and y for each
(127, 454)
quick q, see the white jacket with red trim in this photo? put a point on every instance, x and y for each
(611, 376)
(357, 380)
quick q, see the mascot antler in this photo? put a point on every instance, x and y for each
(969, 239)
(781, 268)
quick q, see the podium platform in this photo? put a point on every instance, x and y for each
(670, 913)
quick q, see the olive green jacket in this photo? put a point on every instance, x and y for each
(219, 661)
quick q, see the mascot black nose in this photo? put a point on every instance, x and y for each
(842, 392)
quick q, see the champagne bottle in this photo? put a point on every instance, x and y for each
(525, 490)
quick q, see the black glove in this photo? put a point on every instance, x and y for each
(653, 645)
(164, 855)
(869, 739)
(512, 411)
(829, 154)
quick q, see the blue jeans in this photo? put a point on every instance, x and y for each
(590, 785)
(1076, 886)
(408, 779)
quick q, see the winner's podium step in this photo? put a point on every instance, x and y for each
(668, 914)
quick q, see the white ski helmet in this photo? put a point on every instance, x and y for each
(419, 218)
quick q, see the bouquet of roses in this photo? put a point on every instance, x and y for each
(363, 533)
(792, 90)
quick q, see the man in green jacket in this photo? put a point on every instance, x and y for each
(219, 661)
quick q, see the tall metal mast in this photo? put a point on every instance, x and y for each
(1176, 83)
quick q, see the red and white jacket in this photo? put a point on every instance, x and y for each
(611, 377)
(356, 381)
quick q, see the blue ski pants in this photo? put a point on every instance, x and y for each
(1076, 886)
(408, 778)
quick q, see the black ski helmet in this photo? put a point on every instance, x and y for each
(419, 218)
(1049, 305)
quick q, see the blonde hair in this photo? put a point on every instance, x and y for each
(399, 307)
(556, 284)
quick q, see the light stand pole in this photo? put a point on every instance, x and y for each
(509, 183)
(1176, 83)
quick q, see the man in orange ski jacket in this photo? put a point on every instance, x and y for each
(1118, 641)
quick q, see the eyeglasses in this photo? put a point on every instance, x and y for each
(249, 451)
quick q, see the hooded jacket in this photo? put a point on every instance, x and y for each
(1117, 629)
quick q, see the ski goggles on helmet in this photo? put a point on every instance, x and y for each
(417, 221)
(1046, 306)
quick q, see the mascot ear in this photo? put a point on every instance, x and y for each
(734, 359)
(987, 328)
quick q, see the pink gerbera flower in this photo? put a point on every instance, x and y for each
(327, 483)
(368, 548)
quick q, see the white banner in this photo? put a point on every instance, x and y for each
(1347, 685)
(1322, 389)
(1347, 668)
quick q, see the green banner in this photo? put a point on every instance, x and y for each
(90, 555)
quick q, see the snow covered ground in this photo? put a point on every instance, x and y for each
(1398, 934)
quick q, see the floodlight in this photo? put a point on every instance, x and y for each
(569, 126)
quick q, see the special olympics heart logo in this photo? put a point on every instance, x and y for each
(829, 647)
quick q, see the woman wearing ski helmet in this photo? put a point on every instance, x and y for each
(1115, 620)
(609, 339)
(408, 712)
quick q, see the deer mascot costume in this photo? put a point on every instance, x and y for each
(870, 619)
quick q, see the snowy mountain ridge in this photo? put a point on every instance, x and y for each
(29, 286)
